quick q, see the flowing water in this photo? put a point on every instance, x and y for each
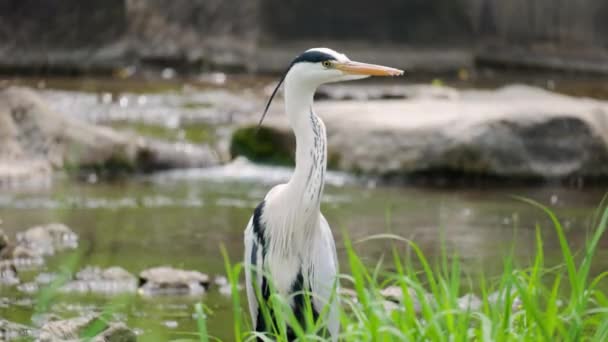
(182, 218)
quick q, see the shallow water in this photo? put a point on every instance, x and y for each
(181, 218)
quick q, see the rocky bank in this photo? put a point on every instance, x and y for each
(35, 140)
(515, 132)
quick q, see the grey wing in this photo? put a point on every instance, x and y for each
(252, 258)
(325, 282)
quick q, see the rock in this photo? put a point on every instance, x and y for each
(224, 287)
(170, 281)
(499, 297)
(348, 293)
(34, 140)
(4, 242)
(47, 239)
(390, 306)
(20, 256)
(10, 331)
(395, 294)
(226, 290)
(8, 273)
(73, 329)
(515, 132)
(469, 302)
(113, 280)
(220, 280)
(43, 279)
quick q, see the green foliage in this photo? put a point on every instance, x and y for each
(264, 145)
(524, 304)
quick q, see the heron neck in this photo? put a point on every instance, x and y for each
(306, 184)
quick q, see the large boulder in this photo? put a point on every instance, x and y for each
(516, 132)
(91, 327)
(47, 239)
(166, 280)
(34, 140)
(112, 280)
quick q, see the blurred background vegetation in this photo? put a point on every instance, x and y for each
(71, 36)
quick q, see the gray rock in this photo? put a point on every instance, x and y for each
(469, 302)
(20, 256)
(514, 132)
(390, 306)
(10, 331)
(113, 280)
(8, 273)
(395, 294)
(72, 330)
(4, 242)
(226, 290)
(34, 140)
(170, 281)
(348, 293)
(499, 297)
(220, 280)
(47, 239)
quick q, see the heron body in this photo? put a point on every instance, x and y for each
(289, 247)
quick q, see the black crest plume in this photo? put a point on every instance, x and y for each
(310, 56)
(274, 92)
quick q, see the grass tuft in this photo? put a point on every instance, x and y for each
(534, 303)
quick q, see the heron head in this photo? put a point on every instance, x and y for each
(322, 65)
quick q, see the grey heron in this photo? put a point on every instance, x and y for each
(289, 247)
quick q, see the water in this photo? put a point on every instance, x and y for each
(181, 218)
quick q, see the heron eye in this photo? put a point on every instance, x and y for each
(326, 64)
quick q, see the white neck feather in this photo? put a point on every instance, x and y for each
(298, 202)
(307, 182)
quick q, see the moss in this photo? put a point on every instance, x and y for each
(333, 160)
(265, 145)
(196, 105)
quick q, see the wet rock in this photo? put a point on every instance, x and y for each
(8, 273)
(45, 278)
(348, 293)
(499, 298)
(226, 290)
(3, 240)
(469, 302)
(29, 287)
(220, 281)
(35, 139)
(10, 331)
(73, 329)
(395, 294)
(390, 306)
(26, 259)
(112, 280)
(46, 239)
(516, 132)
(171, 324)
(170, 281)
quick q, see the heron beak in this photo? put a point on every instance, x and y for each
(358, 68)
